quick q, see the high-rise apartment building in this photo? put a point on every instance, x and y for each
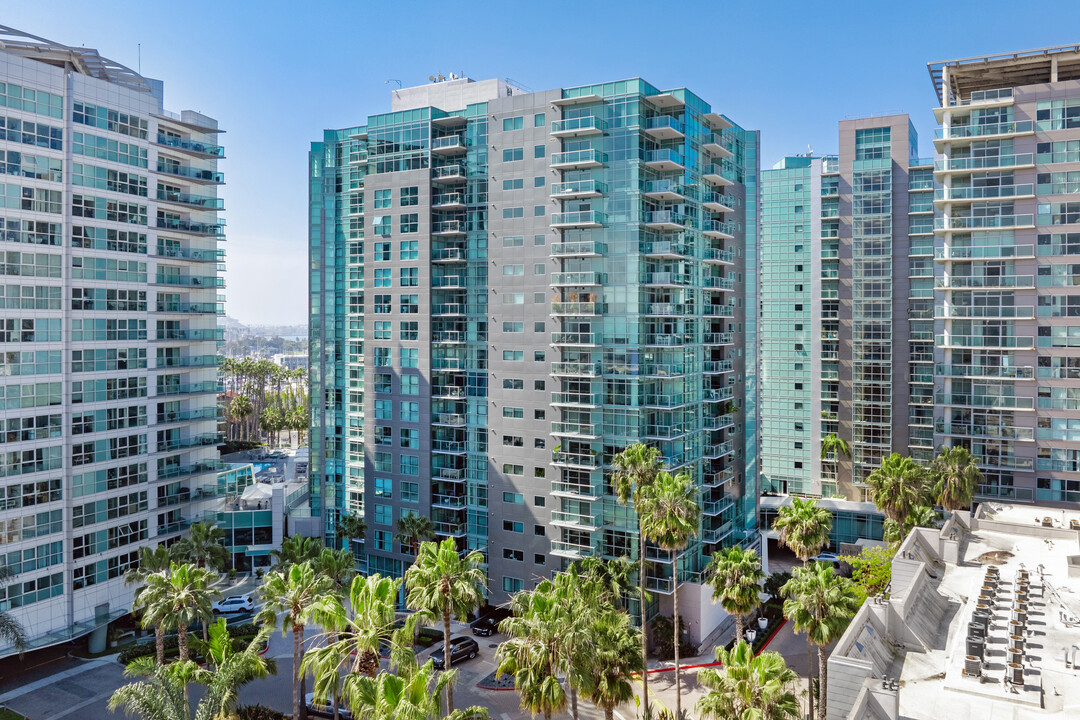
(108, 329)
(1008, 352)
(846, 336)
(508, 288)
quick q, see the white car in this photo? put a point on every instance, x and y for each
(827, 557)
(234, 604)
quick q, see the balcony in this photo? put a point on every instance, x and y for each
(448, 201)
(578, 219)
(719, 450)
(718, 479)
(571, 551)
(993, 312)
(577, 309)
(448, 474)
(211, 177)
(664, 309)
(172, 335)
(576, 369)
(712, 536)
(449, 145)
(664, 160)
(664, 127)
(997, 432)
(194, 255)
(195, 228)
(718, 339)
(449, 255)
(449, 174)
(957, 134)
(576, 279)
(716, 174)
(447, 309)
(452, 419)
(577, 159)
(196, 281)
(971, 194)
(714, 283)
(725, 311)
(210, 387)
(190, 308)
(577, 127)
(976, 164)
(712, 508)
(451, 502)
(664, 340)
(192, 361)
(715, 145)
(448, 281)
(719, 229)
(995, 402)
(667, 279)
(716, 394)
(1021, 372)
(189, 416)
(199, 468)
(994, 252)
(979, 98)
(664, 191)
(718, 202)
(588, 431)
(667, 250)
(667, 220)
(576, 521)
(450, 529)
(991, 282)
(449, 363)
(949, 224)
(716, 367)
(576, 338)
(583, 248)
(718, 256)
(448, 227)
(193, 147)
(201, 202)
(577, 189)
(205, 440)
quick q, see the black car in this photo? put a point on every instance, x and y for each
(461, 648)
(489, 624)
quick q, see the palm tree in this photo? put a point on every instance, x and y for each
(296, 549)
(636, 469)
(606, 668)
(748, 686)
(338, 565)
(443, 584)
(204, 546)
(610, 576)
(297, 593)
(156, 560)
(897, 486)
(670, 516)
(956, 475)
(11, 630)
(821, 604)
(413, 529)
(803, 527)
(162, 695)
(351, 527)
(533, 651)
(240, 408)
(411, 695)
(176, 600)
(920, 516)
(736, 576)
(833, 446)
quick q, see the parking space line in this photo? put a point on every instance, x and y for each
(45, 682)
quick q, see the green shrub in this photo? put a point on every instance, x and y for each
(258, 712)
(661, 629)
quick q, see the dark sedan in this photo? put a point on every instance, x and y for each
(461, 649)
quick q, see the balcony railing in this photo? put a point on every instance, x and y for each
(577, 159)
(443, 200)
(205, 202)
(578, 189)
(576, 338)
(576, 369)
(983, 163)
(963, 282)
(719, 228)
(582, 248)
(576, 278)
(577, 308)
(978, 311)
(570, 127)
(998, 402)
(665, 160)
(954, 132)
(210, 176)
(990, 252)
(448, 144)
(190, 335)
(983, 222)
(578, 219)
(998, 432)
(188, 226)
(448, 173)
(992, 192)
(194, 146)
(209, 281)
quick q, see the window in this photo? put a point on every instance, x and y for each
(383, 382)
(511, 469)
(410, 492)
(410, 465)
(382, 199)
(384, 514)
(384, 435)
(539, 384)
(410, 357)
(382, 251)
(384, 410)
(539, 327)
(384, 488)
(410, 384)
(513, 412)
(539, 181)
(539, 269)
(382, 277)
(539, 443)
(512, 154)
(383, 540)
(409, 249)
(539, 356)
(513, 384)
(540, 298)
(516, 184)
(514, 299)
(510, 554)
(410, 411)
(514, 123)
(513, 270)
(382, 357)
(410, 196)
(513, 441)
(539, 151)
(513, 355)
(513, 212)
(410, 222)
(513, 241)
(539, 559)
(513, 498)
(538, 120)
(539, 414)
(539, 501)
(510, 526)
(381, 224)
(409, 438)
(410, 330)
(512, 584)
(410, 277)
(539, 210)
(410, 304)
(513, 327)
(539, 472)
(382, 330)
(539, 531)
(538, 240)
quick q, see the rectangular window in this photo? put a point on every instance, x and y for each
(539, 151)
(384, 487)
(410, 357)
(513, 441)
(513, 498)
(513, 412)
(511, 526)
(539, 414)
(382, 199)
(384, 410)
(382, 357)
(514, 299)
(409, 249)
(512, 154)
(383, 383)
(382, 251)
(384, 514)
(513, 355)
(539, 181)
(539, 269)
(540, 298)
(409, 277)
(410, 465)
(513, 327)
(409, 438)
(410, 491)
(410, 384)
(409, 222)
(383, 540)
(383, 330)
(513, 241)
(539, 501)
(511, 469)
(511, 554)
(410, 196)
(538, 120)
(410, 411)
(410, 330)
(538, 240)
(539, 443)
(382, 277)
(513, 384)
(539, 559)
(539, 210)
(516, 184)
(410, 304)
(513, 270)
(539, 384)
(539, 356)
(513, 585)
(539, 327)
(513, 212)
(514, 123)
(381, 304)
(381, 224)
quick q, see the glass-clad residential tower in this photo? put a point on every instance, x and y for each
(1008, 356)
(109, 333)
(508, 288)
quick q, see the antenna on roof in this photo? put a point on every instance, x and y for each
(140, 58)
(393, 80)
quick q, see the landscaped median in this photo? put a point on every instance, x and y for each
(241, 636)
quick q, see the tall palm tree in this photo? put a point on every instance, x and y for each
(413, 529)
(897, 486)
(956, 476)
(636, 469)
(338, 565)
(533, 650)
(610, 576)
(296, 549)
(240, 408)
(736, 576)
(176, 600)
(156, 560)
(821, 604)
(298, 593)
(613, 656)
(11, 630)
(803, 527)
(441, 583)
(748, 686)
(351, 527)
(919, 516)
(833, 446)
(410, 695)
(670, 516)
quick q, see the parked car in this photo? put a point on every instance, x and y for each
(234, 604)
(489, 624)
(461, 649)
(827, 557)
(326, 709)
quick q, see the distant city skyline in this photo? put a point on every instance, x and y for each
(276, 77)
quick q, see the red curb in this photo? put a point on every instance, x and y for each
(764, 645)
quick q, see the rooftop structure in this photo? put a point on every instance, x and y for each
(983, 621)
(956, 80)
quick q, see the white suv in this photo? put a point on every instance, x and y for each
(234, 604)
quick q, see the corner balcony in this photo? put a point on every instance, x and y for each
(200, 202)
(577, 127)
(957, 195)
(575, 369)
(576, 309)
(964, 134)
(978, 164)
(999, 97)
(577, 189)
(578, 219)
(194, 281)
(719, 394)
(575, 521)
(448, 201)
(572, 551)
(209, 177)
(719, 229)
(447, 228)
(719, 257)
(191, 147)
(193, 228)
(586, 431)
(716, 174)
(718, 202)
(449, 145)
(712, 283)
(716, 535)
(577, 160)
(718, 479)
(666, 192)
(578, 339)
(583, 248)
(664, 127)
(448, 174)
(720, 450)
(664, 160)
(575, 279)
(715, 145)
(667, 221)
(666, 250)
(182, 308)
(986, 222)
(712, 508)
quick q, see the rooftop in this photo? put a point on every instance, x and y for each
(84, 60)
(991, 72)
(925, 637)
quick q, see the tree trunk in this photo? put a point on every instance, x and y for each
(296, 673)
(644, 637)
(159, 641)
(609, 713)
(810, 676)
(573, 700)
(181, 640)
(678, 637)
(823, 673)
(446, 659)
(738, 628)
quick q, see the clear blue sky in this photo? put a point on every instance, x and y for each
(276, 73)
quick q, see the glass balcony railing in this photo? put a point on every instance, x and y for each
(588, 430)
(579, 459)
(450, 173)
(193, 254)
(210, 176)
(667, 249)
(983, 341)
(980, 283)
(205, 202)
(576, 278)
(202, 388)
(576, 369)
(192, 361)
(576, 338)
(1021, 372)
(579, 218)
(983, 163)
(954, 194)
(191, 335)
(450, 143)
(587, 125)
(719, 228)
(194, 146)
(979, 312)
(189, 416)
(577, 308)
(443, 200)
(578, 188)
(983, 222)
(448, 227)
(188, 226)
(954, 132)
(718, 201)
(987, 252)
(665, 122)
(210, 281)
(190, 308)
(665, 159)
(577, 159)
(668, 219)
(582, 248)
(717, 255)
